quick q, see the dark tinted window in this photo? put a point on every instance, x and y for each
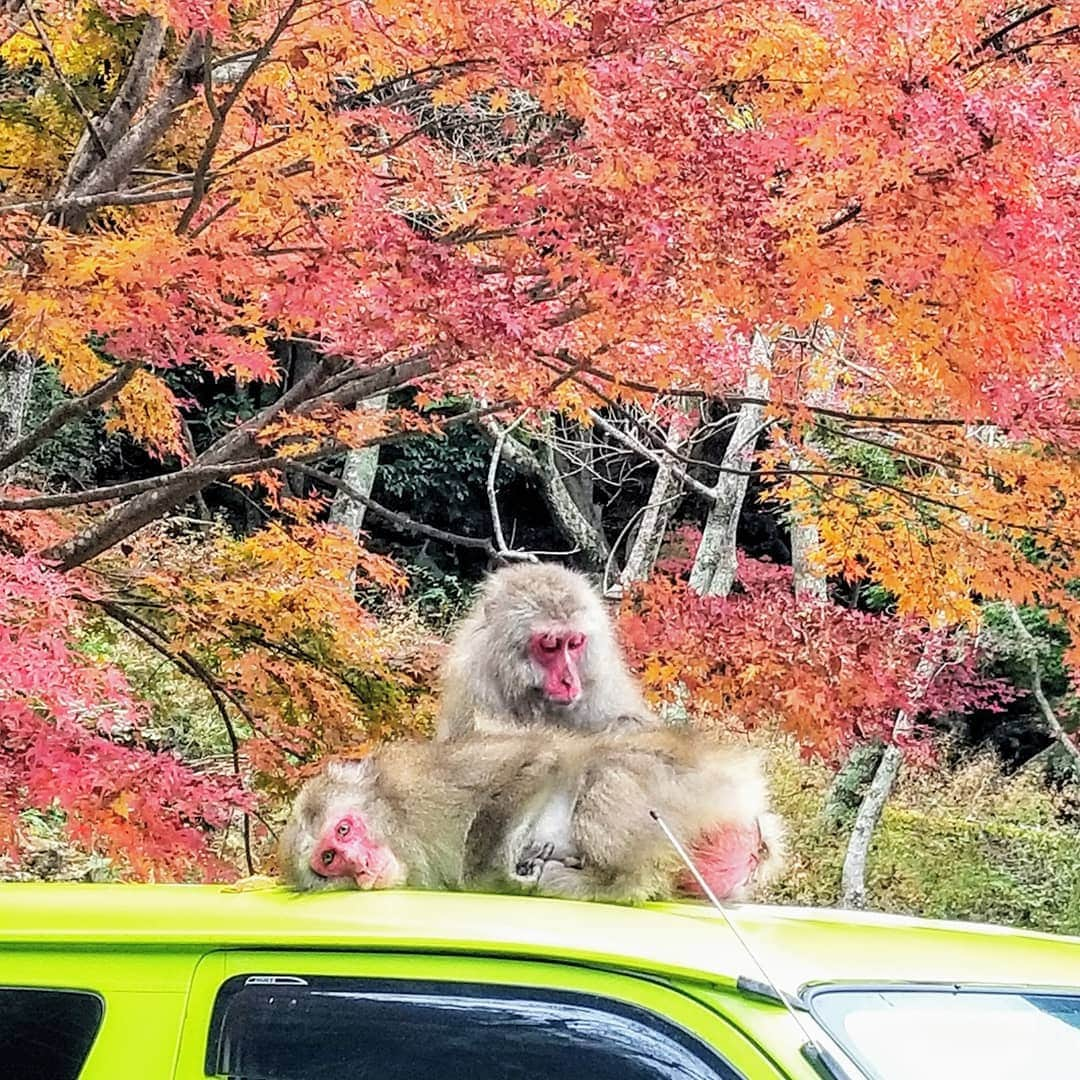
(46, 1034)
(327, 1028)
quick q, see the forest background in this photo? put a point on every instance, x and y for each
(762, 313)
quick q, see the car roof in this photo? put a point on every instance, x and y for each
(798, 946)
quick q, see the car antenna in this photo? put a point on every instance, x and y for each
(823, 1061)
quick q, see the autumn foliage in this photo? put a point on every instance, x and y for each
(519, 206)
(829, 675)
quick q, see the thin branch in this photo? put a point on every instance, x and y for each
(1031, 652)
(493, 499)
(83, 111)
(402, 521)
(207, 473)
(98, 199)
(152, 637)
(202, 169)
(849, 213)
(65, 413)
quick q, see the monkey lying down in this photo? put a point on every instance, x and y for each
(548, 812)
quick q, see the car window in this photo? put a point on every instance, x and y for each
(327, 1027)
(46, 1034)
(922, 1033)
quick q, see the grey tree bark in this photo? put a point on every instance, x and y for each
(664, 496)
(809, 582)
(16, 379)
(714, 569)
(853, 876)
(359, 473)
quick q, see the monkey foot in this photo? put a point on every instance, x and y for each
(537, 859)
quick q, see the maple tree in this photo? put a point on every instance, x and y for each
(528, 205)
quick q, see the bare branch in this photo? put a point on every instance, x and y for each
(46, 46)
(82, 203)
(207, 474)
(402, 521)
(182, 659)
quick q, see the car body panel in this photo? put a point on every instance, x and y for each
(684, 940)
(157, 954)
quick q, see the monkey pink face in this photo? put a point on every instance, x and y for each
(347, 849)
(559, 655)
(727, 858)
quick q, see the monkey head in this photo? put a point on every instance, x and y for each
(334, 838)
(735, 857)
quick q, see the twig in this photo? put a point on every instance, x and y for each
(83, 111)
(402, 521)
(493, 500)
(202, 169)
(152, 637)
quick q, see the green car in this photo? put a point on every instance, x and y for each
(160, 981)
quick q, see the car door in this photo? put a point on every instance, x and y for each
(328, 1016)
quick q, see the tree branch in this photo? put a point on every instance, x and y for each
(152, 637)
(65, 413)
(135, 143)
(402, 521)
(46, 46)
(128, 100)
(205, 473)
(221, 113)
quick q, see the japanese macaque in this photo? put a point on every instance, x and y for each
(538, 648)
(547, 812)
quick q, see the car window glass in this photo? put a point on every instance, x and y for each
(926, 1033)
(46, 1034)
(327, 1028)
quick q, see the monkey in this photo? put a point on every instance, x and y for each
(398, 816)
(576, 822)
(543, 811)
(538, 648)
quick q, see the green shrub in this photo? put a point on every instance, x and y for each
(972, 844)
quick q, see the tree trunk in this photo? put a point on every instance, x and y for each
(664, 497)
(16, 379)
(359, 473)
(714, 568)
(853, 878)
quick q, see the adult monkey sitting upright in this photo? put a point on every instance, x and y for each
(538, 648)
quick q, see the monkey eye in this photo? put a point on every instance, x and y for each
(549, 643)
(343, 829)
(575, 642)
(327, 857)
